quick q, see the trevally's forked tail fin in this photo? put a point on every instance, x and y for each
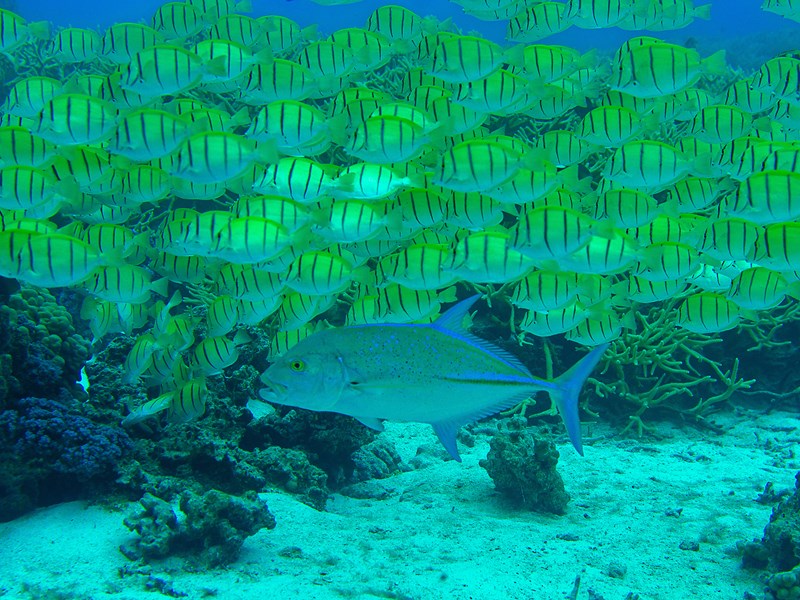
(568, 388)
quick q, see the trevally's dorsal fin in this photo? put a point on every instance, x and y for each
(453, 318)
(452, 322)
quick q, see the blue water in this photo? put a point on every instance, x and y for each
(730, 19)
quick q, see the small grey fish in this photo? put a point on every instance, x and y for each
(437, 373)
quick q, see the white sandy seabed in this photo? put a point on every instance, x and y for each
(443, 532)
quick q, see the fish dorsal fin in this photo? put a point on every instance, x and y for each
(452, 322)
(453, 318)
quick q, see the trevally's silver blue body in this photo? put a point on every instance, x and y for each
(438, 374)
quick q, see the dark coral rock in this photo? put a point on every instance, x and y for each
(107, 391)
(377, 460)
(22, 489)
(523, 467)
(240, 385)
(204, 451)
(208, 454)
(373, 462)
(782, 534)
(210, 528)
(291, 470)
(754, 555)
(157, 524)
(429, 454)
(329, 439)
(6, 372)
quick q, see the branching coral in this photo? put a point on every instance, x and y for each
(764, 330)
(664, 366)
(659, 366)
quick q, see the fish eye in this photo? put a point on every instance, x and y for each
(297, 366)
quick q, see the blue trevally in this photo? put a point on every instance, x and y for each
(435, 373)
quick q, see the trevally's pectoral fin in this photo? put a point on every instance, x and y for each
(370, 422)
(377, 386)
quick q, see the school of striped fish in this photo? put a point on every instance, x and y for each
(270, 173)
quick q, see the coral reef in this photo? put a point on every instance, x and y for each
(209, 528)
(659, 370)
(661, 367)
(50, 453)
(210, 454)
(45, 431)
(376, 461)
(785, 586)
(523, 468)
(108, 394)
(329, 439)
(41, 352)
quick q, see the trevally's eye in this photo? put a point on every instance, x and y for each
(297, 365)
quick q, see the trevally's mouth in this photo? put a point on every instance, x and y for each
(269, 395)
(277, 390)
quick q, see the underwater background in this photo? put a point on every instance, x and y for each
(281, 283)
(729, 23)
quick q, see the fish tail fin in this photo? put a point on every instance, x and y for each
(568, 388)
(41, 30)
(703, 12)
(715, 64)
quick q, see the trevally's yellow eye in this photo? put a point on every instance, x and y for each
(297, 365)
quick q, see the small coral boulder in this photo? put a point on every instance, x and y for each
(523, 468)
(211, 527)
